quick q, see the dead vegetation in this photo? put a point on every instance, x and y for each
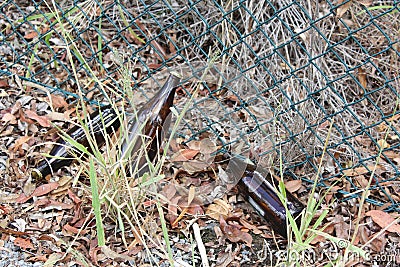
(289, 70)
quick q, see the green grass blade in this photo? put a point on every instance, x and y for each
(96, 204)
(165, 232)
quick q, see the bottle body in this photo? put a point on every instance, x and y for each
(102, 121)
(260, 189)
(145, 129)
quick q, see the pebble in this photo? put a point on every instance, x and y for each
(12, 256)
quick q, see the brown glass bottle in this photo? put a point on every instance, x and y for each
(102, 120)
(259, 187)
(145, 129)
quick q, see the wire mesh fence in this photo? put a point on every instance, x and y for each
(294, 78)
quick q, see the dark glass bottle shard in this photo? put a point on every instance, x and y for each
(259, 188)
(145, 129)
(103, 121)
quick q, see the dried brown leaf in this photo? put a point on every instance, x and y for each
(20, 141)
(153, 65)
(361, 170)
(366, 3)
(23, 118)
(195, 209)
(384, 219)
(194, 166)
(58, 101)
(8, 198)
(234, 234)
(37, 258)
(56, 116)
(11, 231)
(30, 35)
(8, 117)
(74, 230)
(44, 189)
(4, 84)
(64, 183)
(225, 258)
(363, 141)
(342, 229)
(364, 236)
(194, 144)
(363, 182)
(207, 146)
(184, 155)
(16, 107)
(29, 187)
(23, 243)
(218, 208)
(52, 204)
(22, 198)
(74, 197)
(343, 8)
(293, 186)
(68, 112)
(383, 144)
(138, 238)
(53, 259)
(184, 247)
(172, 214)
(114, 255)
(362, 78)
(191, 195)
(169, 191)
(320, 238)
(390, 154)
(42, 120)
(250, 226)
(379, 241)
